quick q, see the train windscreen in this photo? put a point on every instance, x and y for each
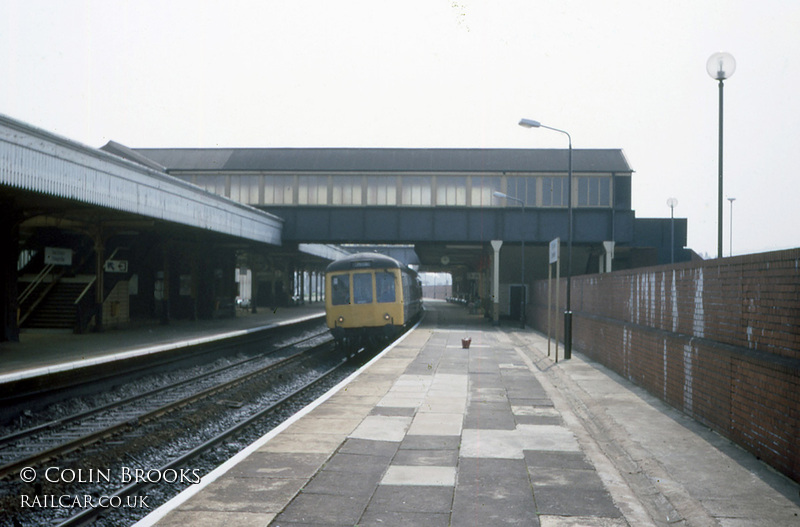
(362, 288)
(384, 285)
(340, 290)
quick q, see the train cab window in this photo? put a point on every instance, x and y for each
(384, 285)
(340, 290)
(362, 288)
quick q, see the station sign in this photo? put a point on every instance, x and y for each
(57, 256)
(116, 266)
(554, 250)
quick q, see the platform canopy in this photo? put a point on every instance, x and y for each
(41, 169)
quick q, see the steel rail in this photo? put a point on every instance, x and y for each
(88, 515)
(87, 439)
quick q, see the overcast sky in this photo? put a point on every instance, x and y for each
(437, 73)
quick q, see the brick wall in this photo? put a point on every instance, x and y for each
(717, 339)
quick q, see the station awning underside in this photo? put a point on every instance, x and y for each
(44, 172)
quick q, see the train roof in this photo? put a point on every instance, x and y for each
(367, 261)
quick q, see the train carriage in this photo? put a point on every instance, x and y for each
(370, 297)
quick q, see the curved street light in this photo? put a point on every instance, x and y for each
(530, 123)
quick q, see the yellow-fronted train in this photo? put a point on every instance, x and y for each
(370, 298)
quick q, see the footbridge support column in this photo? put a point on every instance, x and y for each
(496, 244)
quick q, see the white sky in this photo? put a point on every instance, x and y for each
(437, 73)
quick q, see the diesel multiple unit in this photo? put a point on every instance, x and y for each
(370, 297)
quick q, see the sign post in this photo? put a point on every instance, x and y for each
(555, 246)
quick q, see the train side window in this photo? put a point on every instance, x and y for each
(362, 288)
(340, 289)
(384, 284)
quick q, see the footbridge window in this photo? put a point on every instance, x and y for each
(522, 188)
(278, 190)
(381, 190)
(346, 190)
(312, 190)
(416, 190)
(244, 189)
(554, 191)
(551, 190)
(483, 188)
(451, 190)
(594, 191)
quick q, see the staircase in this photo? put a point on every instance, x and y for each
(57, 310)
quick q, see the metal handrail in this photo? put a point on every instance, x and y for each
(35, 283)
(85, 290)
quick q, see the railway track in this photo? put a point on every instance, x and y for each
(219, 404)
(88, 516)
(32, 446)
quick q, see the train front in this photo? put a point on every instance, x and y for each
(364, 298)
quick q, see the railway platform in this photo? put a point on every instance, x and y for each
(431, 433)
(46, 352)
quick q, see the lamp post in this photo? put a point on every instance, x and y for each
(529, 123)
(720, 66)
(498, 194)
(731, 229)
(672, 203)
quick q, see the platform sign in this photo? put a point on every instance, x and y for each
(554, 250)
(57, 256)
(116, 266)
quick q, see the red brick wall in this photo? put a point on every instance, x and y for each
(718, 339)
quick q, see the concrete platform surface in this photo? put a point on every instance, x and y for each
(40, 352)
(431, 434)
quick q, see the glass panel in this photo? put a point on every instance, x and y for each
(583, 191)
(384, 285)
(312, 190)
(340, 289)
(482, 189)
(416, 190)
(362, 288)
(382, 190)
(523, 188)
(346, 190)
(278, 190)
(515, 187)
(244, 189)
(554, 191)
(530, 194)
(451, 190)
(594, 191)
(605, 192)
(215, 184)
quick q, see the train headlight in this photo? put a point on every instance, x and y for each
(340, 320)
(386, 317)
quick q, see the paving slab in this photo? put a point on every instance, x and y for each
(435, 435)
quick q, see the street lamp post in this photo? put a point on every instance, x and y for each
(499, 194)
(720, 66)
(672, 203)
(529, 123)
(731, 229)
